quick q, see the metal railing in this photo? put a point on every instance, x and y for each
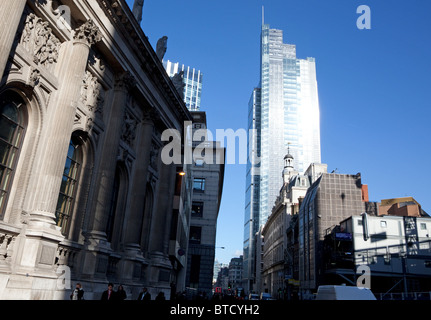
(404, 296)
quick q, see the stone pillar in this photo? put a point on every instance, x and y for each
(164, 200)
(97, 249)
(10, 16)
(108, 156)
(160, 265)
(59, 122)
(41, 234)
(134, 261)
(139, 184)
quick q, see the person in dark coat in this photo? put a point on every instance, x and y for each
(77, 293)
(161, 296)
(121, 293)
(109, 294)
(144, 295)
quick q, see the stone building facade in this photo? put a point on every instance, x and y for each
(273, 271)
(84, 194)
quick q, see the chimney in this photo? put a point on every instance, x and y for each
(364, 190)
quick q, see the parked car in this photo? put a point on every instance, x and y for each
(265, 296)
(332, 292)
(253, 296)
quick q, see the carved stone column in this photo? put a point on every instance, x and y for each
(59, 121)
(108, 156)
(164, 200)
(160, 265)
(41, 230)
(98, 250)
(139, 183)
(133, 258)
(10, 15)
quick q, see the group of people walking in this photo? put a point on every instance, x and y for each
(110, 294)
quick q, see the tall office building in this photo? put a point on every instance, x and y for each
(284, 112)
(192, 80)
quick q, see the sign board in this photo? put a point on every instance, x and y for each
(343, 236)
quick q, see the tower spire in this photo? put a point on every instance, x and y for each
(288, 170)
(263, 15)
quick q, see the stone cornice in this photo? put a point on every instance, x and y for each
(121, 16)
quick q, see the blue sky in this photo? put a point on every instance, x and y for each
(374, 85)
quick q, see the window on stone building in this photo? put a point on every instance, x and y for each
(69, 184)
(199, 162)
(113, 207)
(199, 184)
(197, 209)
(195, 235)
(11, 136)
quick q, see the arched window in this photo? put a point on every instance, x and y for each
(113, 207)
(69, 184)
(11, 136)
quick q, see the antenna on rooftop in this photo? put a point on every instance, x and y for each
(263, 15)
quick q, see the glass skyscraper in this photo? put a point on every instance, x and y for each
(283, 112)
(192, 79)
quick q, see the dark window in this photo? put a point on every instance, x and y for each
(11, 137)
(174, 224)
(113, 208)
(195, 269)
(69, 185)
(197, 209)
(195, 235)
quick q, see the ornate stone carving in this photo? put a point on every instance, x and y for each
(34, 77)
(150, 115)
(6, 241)
(25, 217)
(162, 46)
(96, 61)
(38, 39)
(126, 81)
(88, 33)
(154, 153)
(137, 9)
(92, 93)
(125, 157)
(128, 132)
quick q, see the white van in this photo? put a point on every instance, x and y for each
(331, 292)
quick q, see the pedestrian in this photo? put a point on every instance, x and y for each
(121, 293)
(161, 296)
(77, 293)
(144, 295)
(109, 294)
